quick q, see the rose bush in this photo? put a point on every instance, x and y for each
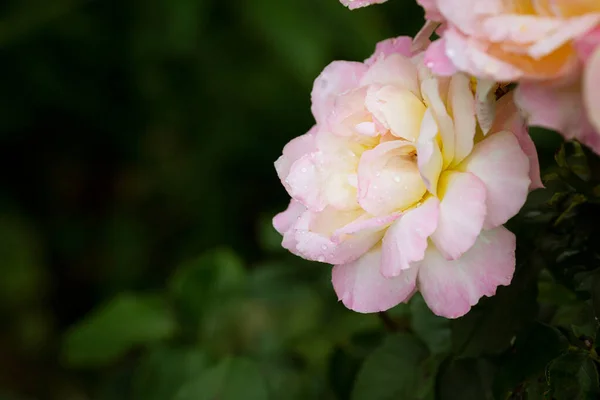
(399, 188)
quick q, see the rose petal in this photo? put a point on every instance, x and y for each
(294, 150)
(462, 212)
(354, 4)
(431, 92)
(398, 110)
(508, 118)
(485, 104)
(469, 55)
(467, 14)
(451, 288)
(570, 29)
(388, 178)
(591, 89)
(338, 237)
(429, 155)
(304, 182)
(437, 60)
(406, 239)
(394, 69)
(504, 169)
(361, 287)
(400, 45)
(462, 104)
(559, 109)
(338, 77)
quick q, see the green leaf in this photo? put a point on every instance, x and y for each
(573, 376)
(164, 371)
(109, 332)
(528, 358)
(207, 280)
(392, 371)
(231, 379)
(465, 379)
(433, 330)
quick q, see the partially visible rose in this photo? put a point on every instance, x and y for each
(572, 107)
(352, 4)
(508, 40)
(398, 187)
(544, 45)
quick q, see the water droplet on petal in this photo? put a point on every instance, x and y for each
(303, 170)
(321, 259)
(324, 247)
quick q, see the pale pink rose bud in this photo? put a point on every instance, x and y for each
(395, 189)
(352, 4)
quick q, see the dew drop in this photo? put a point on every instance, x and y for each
(321, 258)
(324, 247)
(303, 170)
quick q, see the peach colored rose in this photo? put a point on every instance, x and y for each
(572, 107)
(397, 186)
(509, 40)
(542, 44)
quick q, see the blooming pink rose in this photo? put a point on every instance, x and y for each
(509, 40)
(352, 4)
(398, 187)
(572, 107)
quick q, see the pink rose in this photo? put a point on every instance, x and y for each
(542, 44)
(399, 189)
(510, 40)
(352, 4)
(570, 107)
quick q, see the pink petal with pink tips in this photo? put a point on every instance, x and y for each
(437, 60)
(591, 89)
(397, 45)
(469, 55)
(318, 238)
(395, 69)
(303, 182)
(451, 288)
(504, 169)
(285, 221)
(468, 15)
(361, 287)
(508, 118)
(406, 239)
(462, 212)
(560, 109)
(294, 150)
(338, 77)
(587, 44)
(354, 4)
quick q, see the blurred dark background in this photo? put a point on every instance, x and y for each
(137, 141)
